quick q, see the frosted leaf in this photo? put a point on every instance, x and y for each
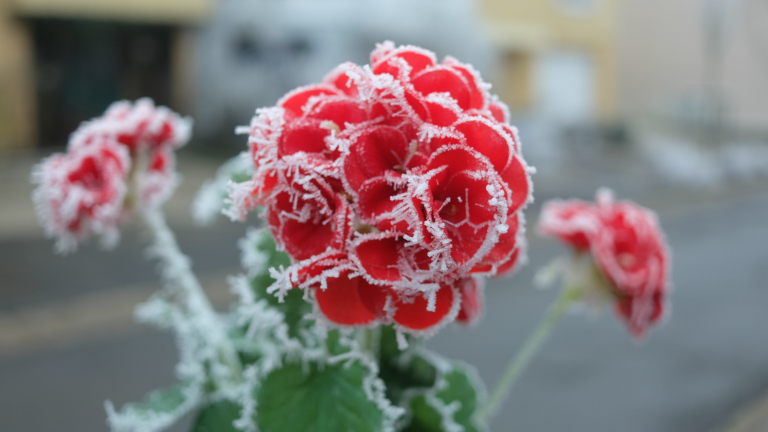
(159, 410)
(210, 199)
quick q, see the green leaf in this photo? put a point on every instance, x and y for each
(398, 375)
(461, 388)
(158, 410)
(453, 401)
(294, 307)
(425, 417)
(315, 398)
(217, 417)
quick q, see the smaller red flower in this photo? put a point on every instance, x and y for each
(626, 245)
(114, 163)
(81, 193)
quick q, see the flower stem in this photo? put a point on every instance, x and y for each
(178, 272)
(531, 346)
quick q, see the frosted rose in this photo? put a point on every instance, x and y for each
(627, 246)
(150, 134)
(389, 185)
(114, 163)
(82, 193)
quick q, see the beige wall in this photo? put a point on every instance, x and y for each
(526, 28)
(17, 91)
(159, 11)
(661, 60)
(17, 110)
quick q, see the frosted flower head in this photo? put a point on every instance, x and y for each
(115, 163)
(391, 186)
(81, 193)
(627, 246)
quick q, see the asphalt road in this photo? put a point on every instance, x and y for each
(77, 346)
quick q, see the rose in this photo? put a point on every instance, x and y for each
(627, 246)
(388, 185)
(114, 163)
(82, 192)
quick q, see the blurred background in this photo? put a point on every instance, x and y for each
(666, 101)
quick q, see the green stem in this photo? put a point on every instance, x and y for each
(531, 346)
(177, 270)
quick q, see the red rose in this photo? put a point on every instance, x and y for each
(82, 192)
(388, 185)
(124, 157)
(627, 246)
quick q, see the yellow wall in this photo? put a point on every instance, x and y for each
(156, 11)
(17, 109)
(522, 29)
(17, 87)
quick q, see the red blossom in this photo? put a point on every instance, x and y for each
(626, 244)
(82, 193)
(388, 185)
(115, 162)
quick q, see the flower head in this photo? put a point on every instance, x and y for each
(391, 186)
(626, 245)
(113, 163)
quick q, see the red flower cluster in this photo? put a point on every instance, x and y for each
(392, 186)
(627, 246)
(122, 159)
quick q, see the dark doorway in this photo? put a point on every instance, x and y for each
(83, 66)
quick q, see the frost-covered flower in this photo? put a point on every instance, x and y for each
(82, 192)
(121, 160)
(150, 134)
(390, 186)
(626, 245)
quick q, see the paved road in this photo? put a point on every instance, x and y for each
(692, 374)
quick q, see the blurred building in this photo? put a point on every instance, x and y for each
(557, 57)
(64, 61)
(251, 52)
(688, 59)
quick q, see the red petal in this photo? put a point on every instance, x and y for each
(507, 242)
(411, 312)
(295, 100)
(302, 240)
(457, 159)
(471, 300)
(466, 215)
(372, 153)
(497, 112)
(440, 115)
(486, 140)
(414, 314)
(516, 178)
(476, 99)
(380, 149)
(440, 79)
(379, 257)
(416, 102)
(416, 58)
(341, 303)
(510, 264)
(339, 110)
(305, 135)
(374, 297)
(374, 200)
(340, 79)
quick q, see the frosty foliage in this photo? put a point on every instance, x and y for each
(210, 199)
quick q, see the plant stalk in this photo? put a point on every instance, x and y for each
(524, 356)
(177, 271)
